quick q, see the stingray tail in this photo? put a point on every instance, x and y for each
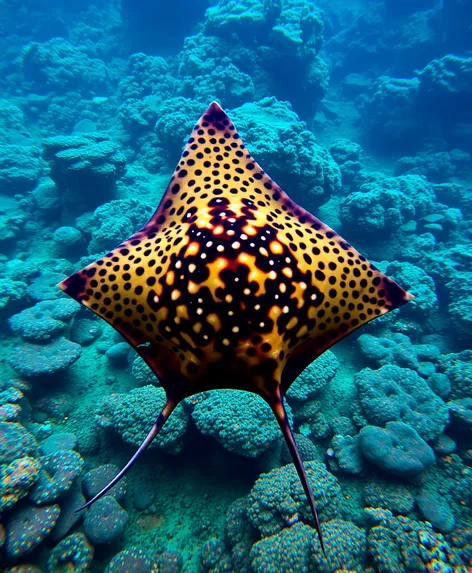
(161, 420)
(281, 415)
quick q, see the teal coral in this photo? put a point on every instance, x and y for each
(132, 560)
(73, 554)
(105, 521)
(242, 422)
(16, 479)
(397, 449)
(314, 378)
(45, 320)
(15, 442)
(393, 393)
(58, 472)
(115, 220)
(31, 360)
(282, 143)
(287, 550)
(277, 498)
(28, 527)
(132, 415)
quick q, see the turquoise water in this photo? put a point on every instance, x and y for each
(360, 112)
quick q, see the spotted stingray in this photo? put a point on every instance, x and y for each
(231, 284)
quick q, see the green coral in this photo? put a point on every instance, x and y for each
(116, 220)
(288, 151)
(132, 415)
(240, 421)
(314, 378)
(277, 498)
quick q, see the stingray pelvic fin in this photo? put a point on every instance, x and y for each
(161, 420)
(282, 418)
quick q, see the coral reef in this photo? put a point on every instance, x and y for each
(241, 422)
(132, 415)
(361, 112)
(277, 499)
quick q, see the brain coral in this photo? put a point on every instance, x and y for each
(277, 498)
(132, 415)
(392, 393)
(397, 448)
(314, 378)
(240, 421)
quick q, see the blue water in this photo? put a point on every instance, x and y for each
(361, 112)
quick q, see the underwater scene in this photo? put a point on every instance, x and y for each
(236, 286)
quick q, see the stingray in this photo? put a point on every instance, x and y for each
(231, 284)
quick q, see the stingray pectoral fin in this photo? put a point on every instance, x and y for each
(161, 420)
(282, 418)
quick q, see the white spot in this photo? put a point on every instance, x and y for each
(178, 264)
(209, 244)
(243, 236)
(236, 245)
(225, 341)
(236, 280)
(285, 309)
(231, 232)
(168, 328)
(271, 263)
(303, 286)
(272, 275)
(156, 299)
(313, 296)
(192, 267)
(235, 329)
(200, 300)
(199, 310)
(287, 260)
(263, 238)
(203, 256)
(276, 296)
(257, 307)
(232, 220)
(261, 324)
(220, 248)
(246, 291)
(230, 313)
(252, 245)
(205, 336)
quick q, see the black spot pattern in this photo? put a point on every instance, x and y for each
(231, 284)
